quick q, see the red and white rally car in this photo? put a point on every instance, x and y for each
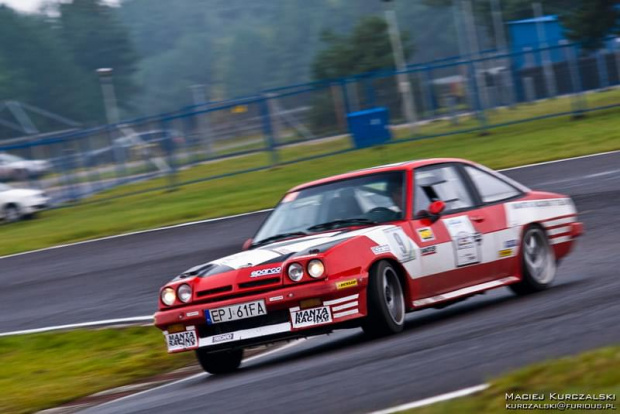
(363, 249)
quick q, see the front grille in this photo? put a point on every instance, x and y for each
(236, 295)
(214, 291)
(272, 318)
(257, 283)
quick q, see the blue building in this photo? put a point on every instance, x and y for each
(524, 36)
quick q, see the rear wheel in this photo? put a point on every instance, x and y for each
(386, 301)
(219, 362)
(11, 213)
(538, 262)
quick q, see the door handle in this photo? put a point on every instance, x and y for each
(477, 219)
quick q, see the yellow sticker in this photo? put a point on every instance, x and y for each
(505, 253)
(346, 284)
(426, 234)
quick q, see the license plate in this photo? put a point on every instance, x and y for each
(310, 317)
(182, 341)
(235, 312)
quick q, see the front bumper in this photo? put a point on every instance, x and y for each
(345, 298)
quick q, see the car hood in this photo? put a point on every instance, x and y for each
(272, 253)
(23, 193)
(278, 252)
(29, 164)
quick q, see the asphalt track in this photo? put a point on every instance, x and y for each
(440, 350)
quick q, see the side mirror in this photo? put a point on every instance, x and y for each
(247, 244)
(434, 210)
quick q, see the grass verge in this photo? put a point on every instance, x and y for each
(45, 370)
(542, 140)
(595, 372)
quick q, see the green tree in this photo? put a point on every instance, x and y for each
(37, 69)
(97, 39)
(366, 49)
(591, 22)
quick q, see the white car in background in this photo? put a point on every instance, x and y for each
(13, 167)
(18, 203)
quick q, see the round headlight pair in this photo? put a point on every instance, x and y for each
(316, 269)
(168, 295)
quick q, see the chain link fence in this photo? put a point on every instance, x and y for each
(301, 122)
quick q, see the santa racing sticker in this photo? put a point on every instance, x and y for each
(311, 317)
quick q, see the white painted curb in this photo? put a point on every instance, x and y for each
(433, 400)
(192, 223)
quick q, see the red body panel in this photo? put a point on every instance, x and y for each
(434, 275)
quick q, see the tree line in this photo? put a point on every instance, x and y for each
(159, 49)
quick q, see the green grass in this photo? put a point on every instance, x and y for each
(45, 370)
(508, 146)
(595, 372)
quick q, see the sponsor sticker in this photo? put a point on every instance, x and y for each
(465, 238)
(346, 284)
(377, 250)
(426, 234)
(190, 314)
(510, 243)
(427, 251)
(182, 341)
(400, 244)
(266, 272)
(505, 253)
(222, 338)
(276, 298)
(311, 317)
(554, 202)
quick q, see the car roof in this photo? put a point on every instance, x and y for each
(400, 166)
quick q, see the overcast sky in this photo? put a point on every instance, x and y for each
(31, 5)
(24, 5)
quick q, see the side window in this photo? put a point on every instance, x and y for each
(490, 187)
(440, 183)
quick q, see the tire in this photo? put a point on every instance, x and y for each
(537, 261)
(219, 362)
(12, 213)
(386, 302)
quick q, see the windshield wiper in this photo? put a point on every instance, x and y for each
(340, 223)
(279, 237)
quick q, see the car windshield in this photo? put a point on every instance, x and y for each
(370, 199)
(10, 158)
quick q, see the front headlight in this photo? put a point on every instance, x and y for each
(295, 272)
(316, 268)
(168, 296)
(185, 293)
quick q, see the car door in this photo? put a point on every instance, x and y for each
(493, 191)
(454, 249)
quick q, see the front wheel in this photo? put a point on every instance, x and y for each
(386, 302)
(219, 362)
(537, 261)
(12, 213)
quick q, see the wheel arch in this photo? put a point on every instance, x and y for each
(524, 228)
(400, 272)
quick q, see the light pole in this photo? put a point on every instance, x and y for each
(542, 44)
(501, 46)
(403, 83)
(109, 95)
(199, 96)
